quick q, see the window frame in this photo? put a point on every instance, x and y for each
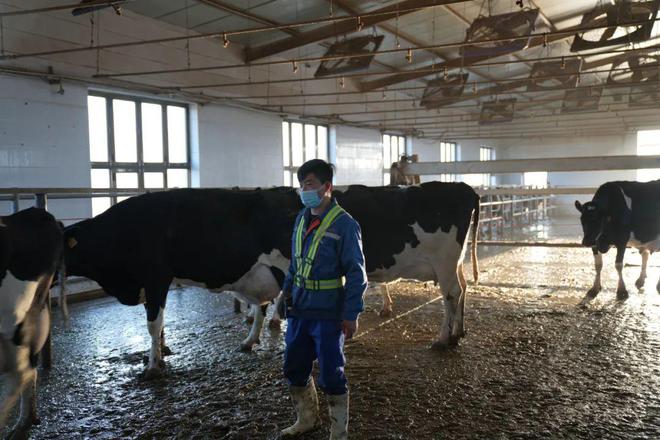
(486, 178)
(402, 143)
(453, 157)
(291, 168)
(139, 166)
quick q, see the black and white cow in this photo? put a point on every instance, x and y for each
(621, 214)
(30, 250)
(224, 240)
(240, 241)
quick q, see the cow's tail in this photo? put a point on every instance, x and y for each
(474, 237)
(61, 278)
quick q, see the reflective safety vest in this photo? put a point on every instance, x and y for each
(305, 263)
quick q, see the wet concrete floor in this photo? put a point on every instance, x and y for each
(533, 365)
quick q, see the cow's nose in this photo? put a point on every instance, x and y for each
(586, 242)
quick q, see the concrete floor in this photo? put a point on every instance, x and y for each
(533, 365)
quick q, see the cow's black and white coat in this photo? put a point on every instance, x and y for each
(621, 214)
(240, 241)
(30, 249)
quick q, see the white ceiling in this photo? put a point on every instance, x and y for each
(150, 19)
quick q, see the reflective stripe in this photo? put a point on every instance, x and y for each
(299, 234)
(304, 264)
(320, 284)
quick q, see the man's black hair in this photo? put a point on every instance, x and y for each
(320, 168)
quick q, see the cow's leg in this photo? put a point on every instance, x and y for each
(451, 299)
(255, 331)
(621, 291)
(155, 306)
(276, 320)
(387, 301)
(17, 363)
(642, 275)
(459, 320)
(251, 312)
(165, 350)
(595, 289)
(28, 408)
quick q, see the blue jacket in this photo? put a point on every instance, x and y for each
(339, 255)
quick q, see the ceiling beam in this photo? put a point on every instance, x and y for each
(233, 10)
(89, 4)
(340, 28)
(462, 62)
(405, 36)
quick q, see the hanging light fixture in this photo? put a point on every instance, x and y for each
(409, 54)
(294, 64)
(225, 40)
(341, 82)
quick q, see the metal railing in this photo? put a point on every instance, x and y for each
(508, 211)
(502, 208)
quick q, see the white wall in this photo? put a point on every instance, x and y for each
(44, 141)
(359, 155)
(428, 150)
(239, 147)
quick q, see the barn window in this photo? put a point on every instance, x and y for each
(394, 146)
(301, 142)
(486, 154)
(448, 152)
(648, 144)
(136, 143)
(535, 179)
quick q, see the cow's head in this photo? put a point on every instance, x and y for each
(594, 221)
(79, 252)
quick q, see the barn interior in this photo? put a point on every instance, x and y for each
(533, 103)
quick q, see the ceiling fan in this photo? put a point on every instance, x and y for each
(95, 5)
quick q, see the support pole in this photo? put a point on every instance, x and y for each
(41, 201)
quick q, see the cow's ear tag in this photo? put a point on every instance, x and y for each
(72, 242)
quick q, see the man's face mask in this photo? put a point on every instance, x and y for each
(312, 198)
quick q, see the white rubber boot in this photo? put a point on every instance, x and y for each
(306, 403)
(338, 410)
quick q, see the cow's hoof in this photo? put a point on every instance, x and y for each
(20, 432)
(385, 313)
(275, 324)
(592, 293)
(249, 320)
(153, 373)
(441, 345)
(622, 294)
(245, 347)
(640, 283)
(166, 351)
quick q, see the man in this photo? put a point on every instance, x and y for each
(323, 292)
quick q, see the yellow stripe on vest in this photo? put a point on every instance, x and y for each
(304, 264)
